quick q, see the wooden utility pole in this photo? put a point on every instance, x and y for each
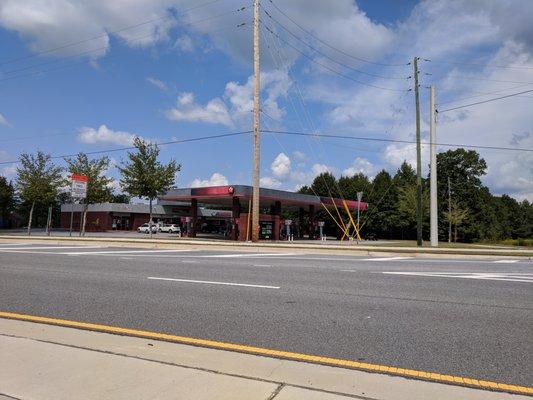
(434, 219)
(257, 133)
(418, 160)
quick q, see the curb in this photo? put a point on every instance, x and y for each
(287, 355)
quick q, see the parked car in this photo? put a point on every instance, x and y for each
(145, 228)
(169, 228)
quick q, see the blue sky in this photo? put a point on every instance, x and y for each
(184, 71)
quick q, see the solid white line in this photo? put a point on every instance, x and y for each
(77, 253)
(18, 249)
(386, 259)
(214, 283)
(239, 255)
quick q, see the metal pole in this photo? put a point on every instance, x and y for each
(256, 157)
(434, 220)
(449, 211)
(418, 160)
(359, 197)
(71, 214)
(49, 221)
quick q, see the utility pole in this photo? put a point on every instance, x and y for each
(257, 138)
(434, 220)
(418, 160)
(449, 211)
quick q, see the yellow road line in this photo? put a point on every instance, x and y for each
(408, 373)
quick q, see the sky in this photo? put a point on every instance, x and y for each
(90, 76)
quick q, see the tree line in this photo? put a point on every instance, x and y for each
(467, 210)
(41, 184)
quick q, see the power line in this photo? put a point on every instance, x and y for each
(326, 55)
(64, 46)
(331, 46)
(335, 136)
(485, 101)
(193, 23)
(39, 72)
(478, 64)
(329, 68)
(481, 94)
(197, 139)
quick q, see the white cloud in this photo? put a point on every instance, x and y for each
(46, 24)
(187, 110)
(270, 182)
(235, 106)
(104, 135)
(281, 166)
(4, 121)
(217, 179)
(299, 155)
(360, 165)
(9, 171)
(184, 43)
(157, 83)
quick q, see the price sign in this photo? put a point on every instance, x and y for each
(78, 188)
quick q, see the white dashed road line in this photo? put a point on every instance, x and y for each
(505, 261)
(387, 259)
(214, 283)
(240, 255)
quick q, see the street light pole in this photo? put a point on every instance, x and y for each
(434, 222)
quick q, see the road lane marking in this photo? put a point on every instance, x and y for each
(505, 261)
(493, 276)
(266, 352)
(111, 252)
(214, 283)
(386, 259)
(240, 255)
(28, 249)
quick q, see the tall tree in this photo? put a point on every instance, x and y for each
(144, 176)
(7, 200)
(381, 217)
(98, 189)
(465, 168)
(456, 216)
(38, 181)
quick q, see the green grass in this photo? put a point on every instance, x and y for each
(518, 242)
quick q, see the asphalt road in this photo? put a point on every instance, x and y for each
(463, 317)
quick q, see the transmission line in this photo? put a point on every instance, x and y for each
(335, 136)
(197, 139)
(66, 45)
(477, 64)
(331, 46)
(485, 101)
(326, 55)
(329, 68)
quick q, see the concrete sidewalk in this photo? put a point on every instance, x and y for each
(41, 361)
